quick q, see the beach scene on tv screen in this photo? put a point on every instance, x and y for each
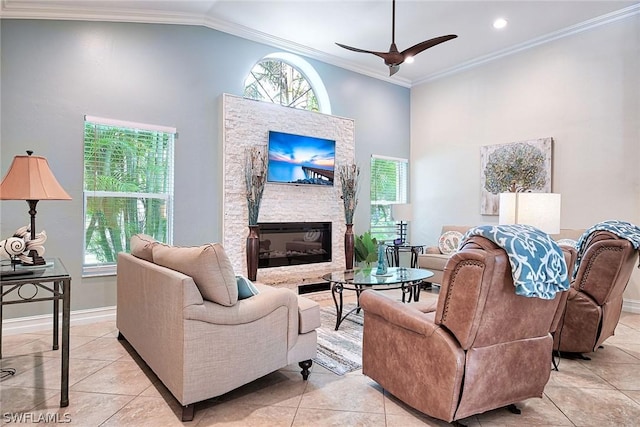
(298, 159)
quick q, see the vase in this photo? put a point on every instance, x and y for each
(253, 252)
(348, 247)
(382, 260)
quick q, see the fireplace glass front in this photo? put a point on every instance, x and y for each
(294, 243)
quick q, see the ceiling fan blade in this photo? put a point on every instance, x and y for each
(416, 49)
(355, 49)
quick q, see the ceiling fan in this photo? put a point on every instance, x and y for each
(394, 58)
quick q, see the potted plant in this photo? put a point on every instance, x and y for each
(366, 249)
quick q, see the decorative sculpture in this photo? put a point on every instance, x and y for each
(19, 245)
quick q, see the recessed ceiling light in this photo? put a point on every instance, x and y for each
(499, 23)
(409, 60)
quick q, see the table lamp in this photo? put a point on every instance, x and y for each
(402, 213)
(30, 178)
(541, 210)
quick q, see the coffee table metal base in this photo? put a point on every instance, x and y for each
(410, 291)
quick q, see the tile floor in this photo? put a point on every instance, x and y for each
(111, 386)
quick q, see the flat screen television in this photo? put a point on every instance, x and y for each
(300, 160)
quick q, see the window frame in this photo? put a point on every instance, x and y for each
(384, 231)
(306, 71)
(108, 269)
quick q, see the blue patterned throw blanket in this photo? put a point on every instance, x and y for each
(622, 229)
(537, 262)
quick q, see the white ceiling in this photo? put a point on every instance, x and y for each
(311, 27)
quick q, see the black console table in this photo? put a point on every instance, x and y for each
(22, 285)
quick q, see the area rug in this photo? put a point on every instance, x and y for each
(340, 351)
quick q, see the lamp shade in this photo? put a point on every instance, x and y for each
(402, 212)
(541, 210)
(30, 178)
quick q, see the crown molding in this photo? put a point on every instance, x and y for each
(19, 9)
(10, 9)
(565, 32)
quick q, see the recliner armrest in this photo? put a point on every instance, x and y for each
(401, 315)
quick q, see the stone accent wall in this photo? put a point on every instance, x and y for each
(246, 123)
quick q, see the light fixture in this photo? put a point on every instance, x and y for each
(541, 210)
(409, 60)
(499, 23)
(30, 178)
(402, 213)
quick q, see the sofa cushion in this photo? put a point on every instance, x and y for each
(434, 261)
(246, 288)
(448, 242)
(142, 246)
(208, 266)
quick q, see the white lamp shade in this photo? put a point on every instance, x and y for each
(402, 212)
(541, 210)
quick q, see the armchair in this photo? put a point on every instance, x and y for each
(482, 348)
(203, 331)
(594, 300)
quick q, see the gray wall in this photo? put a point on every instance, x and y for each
(582, 90)
(55, 72)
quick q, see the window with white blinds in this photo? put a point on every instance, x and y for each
(388, 187)
(128, 188)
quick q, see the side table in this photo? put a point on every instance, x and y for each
(393, 254)
(24, 286)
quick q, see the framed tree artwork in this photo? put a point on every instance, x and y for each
(514, 167)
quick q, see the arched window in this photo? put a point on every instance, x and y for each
(286, 79)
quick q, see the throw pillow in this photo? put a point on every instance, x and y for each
(567, 242)
(142, 246)
(209, 267)
(449, 241)
(246, 288)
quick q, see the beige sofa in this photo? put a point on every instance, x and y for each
(434, 259)
(199, 348)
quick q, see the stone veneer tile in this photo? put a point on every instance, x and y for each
(246, 124)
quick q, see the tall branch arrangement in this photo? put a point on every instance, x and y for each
(349, 176)
(255, 175)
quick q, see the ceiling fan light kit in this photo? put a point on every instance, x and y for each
(393, 58)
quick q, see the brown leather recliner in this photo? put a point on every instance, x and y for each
(594, 303)
(484, 347)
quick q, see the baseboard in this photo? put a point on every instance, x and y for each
(20, 325)
(631, 306)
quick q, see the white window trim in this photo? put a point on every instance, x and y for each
(110, 269)
(309, 73)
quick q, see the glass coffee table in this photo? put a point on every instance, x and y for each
(358, 280)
